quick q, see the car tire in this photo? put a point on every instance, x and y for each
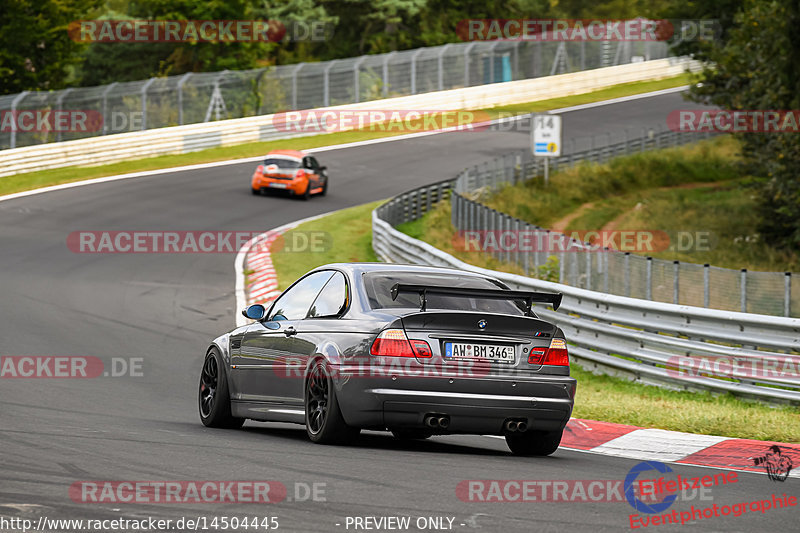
(534, 443)
(213, 398)
(411, 434)
(256, 192)
(306, 195)
(324, 188)
(324, 421)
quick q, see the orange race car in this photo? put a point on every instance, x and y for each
(290, 171)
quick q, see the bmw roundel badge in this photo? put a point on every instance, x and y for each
(482, 323)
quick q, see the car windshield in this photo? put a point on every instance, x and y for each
(282, 163)
(378, 286)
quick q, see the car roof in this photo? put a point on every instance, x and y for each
(362, 268)
(288, 153)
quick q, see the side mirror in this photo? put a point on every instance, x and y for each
(254, 312)
(323, 168)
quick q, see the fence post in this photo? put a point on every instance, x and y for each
(676, 282)
(706, 299)
(356, 81)
(294, 84)
(648, 287)
(491, 61)
(326, 84)
(467, 50)
(386, 72)
(588, 268)
(181, 82)
(144, 102)
(787, 294)
(743, 287)
(526, 257)
(414, 70)
(105, 106)
(59, 101)
(440, 61)
(14, 102)
(583, 55)
(627, 269)
(605, 270)
(561, 267)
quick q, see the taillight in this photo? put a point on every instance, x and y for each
(260, 169)
(557, 353)
(422, 349)
(301, 173)
(536, 355)
(394, 343)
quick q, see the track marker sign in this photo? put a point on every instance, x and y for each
(546, 138)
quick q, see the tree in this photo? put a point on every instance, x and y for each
(124, 61)
(36, 52)
(756, 68)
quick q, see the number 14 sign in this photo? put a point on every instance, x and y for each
(546, 135)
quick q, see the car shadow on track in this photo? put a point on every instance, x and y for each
(376, 440)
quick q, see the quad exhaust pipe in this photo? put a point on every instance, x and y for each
(437, 421)
(513, 426)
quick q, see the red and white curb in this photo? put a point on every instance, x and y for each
(262, 283)
(633, 442)
(605, 438)
(256, 279)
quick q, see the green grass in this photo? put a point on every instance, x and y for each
(709, 161)
(690, 189)
(617, 400)
(604, 398)
(44, 178)
(616, 91)
(347, 237)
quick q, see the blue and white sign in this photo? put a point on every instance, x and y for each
(546, 135)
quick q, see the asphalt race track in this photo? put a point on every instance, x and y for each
(165, 308)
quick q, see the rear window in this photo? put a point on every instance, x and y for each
(379, 284)
(282, 163)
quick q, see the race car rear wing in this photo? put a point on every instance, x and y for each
(553, 299)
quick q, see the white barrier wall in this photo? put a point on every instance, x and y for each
(183, 139)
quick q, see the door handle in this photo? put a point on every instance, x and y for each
(290, 331)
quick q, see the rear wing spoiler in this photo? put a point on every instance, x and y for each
(553, 299)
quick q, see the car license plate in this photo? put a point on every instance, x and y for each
(483, 352)
(278, 185)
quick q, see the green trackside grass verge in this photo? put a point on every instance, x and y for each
(604, 398)
(44, 178)
(345, 237)
(694, 188)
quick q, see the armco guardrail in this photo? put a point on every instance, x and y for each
(183, 139)
(681, 347)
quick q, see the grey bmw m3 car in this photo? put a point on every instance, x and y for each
(418, 351)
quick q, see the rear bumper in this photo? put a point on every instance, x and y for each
(293, 186)
(474, 405)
